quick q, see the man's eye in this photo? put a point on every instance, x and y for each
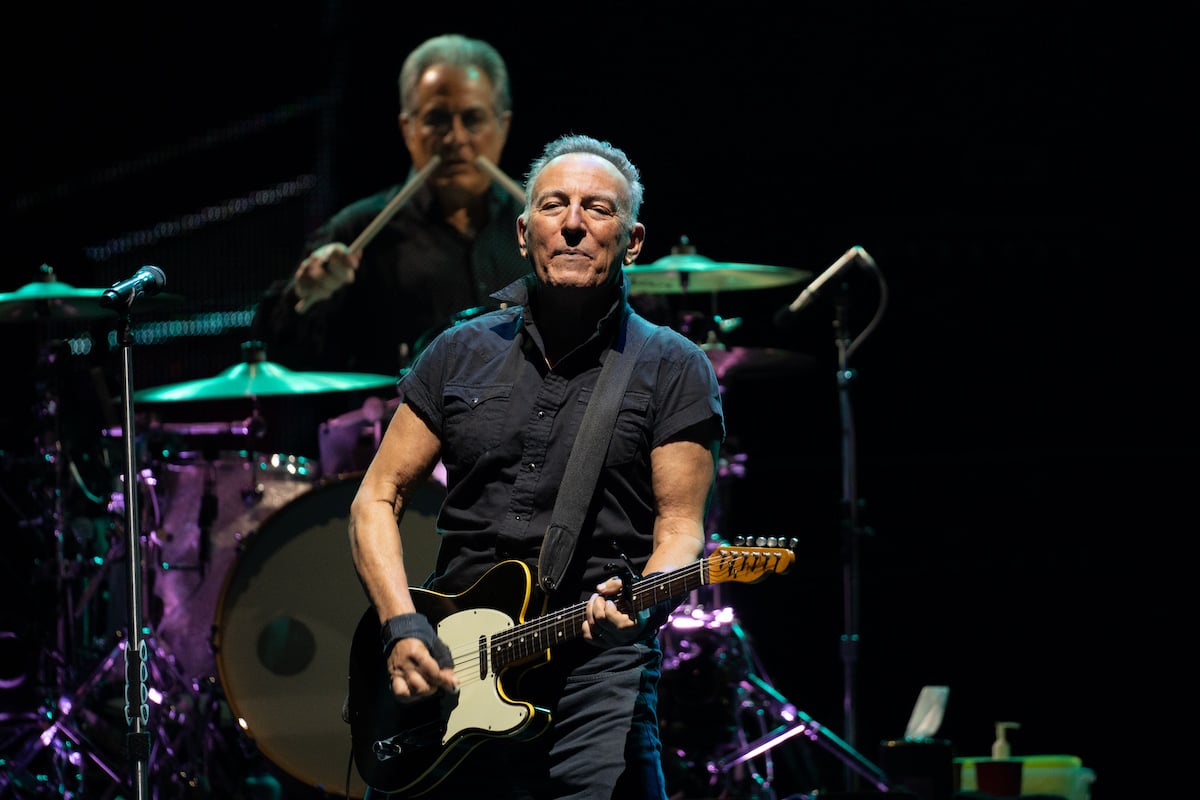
(473, 120)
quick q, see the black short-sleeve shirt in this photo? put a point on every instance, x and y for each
(508, 422)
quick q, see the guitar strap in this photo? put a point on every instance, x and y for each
(588, 452)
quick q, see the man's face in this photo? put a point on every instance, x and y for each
(576, 235)
(454, 119)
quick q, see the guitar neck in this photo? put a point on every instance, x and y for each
(562, 625)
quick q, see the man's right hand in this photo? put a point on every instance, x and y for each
(416, 674)
(323, 272)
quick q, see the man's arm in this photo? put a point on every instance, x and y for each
(682, 474)
(405, 460)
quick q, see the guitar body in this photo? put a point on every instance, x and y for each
(423, 741)
(495, 640)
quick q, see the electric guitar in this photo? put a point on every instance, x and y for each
(409, 748)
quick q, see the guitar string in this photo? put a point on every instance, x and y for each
(530, 638)
(722, 562)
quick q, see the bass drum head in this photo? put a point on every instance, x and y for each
(286, 618)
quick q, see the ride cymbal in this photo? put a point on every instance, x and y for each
(53, 299)
(262, 379)
(683, 273)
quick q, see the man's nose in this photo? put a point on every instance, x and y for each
(456, 131)
(574, 217)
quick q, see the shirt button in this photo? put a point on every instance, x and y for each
(541, 414)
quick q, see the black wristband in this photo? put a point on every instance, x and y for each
(661, 611)
(414, 626)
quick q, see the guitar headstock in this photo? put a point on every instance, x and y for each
(751, 560)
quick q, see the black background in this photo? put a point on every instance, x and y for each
(1019, 442)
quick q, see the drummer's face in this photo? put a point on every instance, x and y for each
(454, 118)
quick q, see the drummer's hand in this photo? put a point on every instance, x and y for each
(414, 672)
(323, 272)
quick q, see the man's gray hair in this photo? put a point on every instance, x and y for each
(460, 51)
(580, 143)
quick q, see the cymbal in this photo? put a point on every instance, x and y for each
(53, 299)
(728, 361)
(262, 379)
(681, 273)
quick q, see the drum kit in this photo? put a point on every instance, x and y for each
(251, 594)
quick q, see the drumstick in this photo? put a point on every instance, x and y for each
(508, 183)
(403, 196)
(389, 211)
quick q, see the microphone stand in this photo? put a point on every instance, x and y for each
(137, 709)
(852, 530)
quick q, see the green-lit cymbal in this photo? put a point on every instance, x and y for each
(262, 379)
(53, 299)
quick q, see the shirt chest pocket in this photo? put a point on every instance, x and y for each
(475, 418)
(631, 431)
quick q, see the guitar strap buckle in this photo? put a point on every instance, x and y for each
(557, 548)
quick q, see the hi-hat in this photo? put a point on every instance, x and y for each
(53, 299)
(684, 273)
(262, 379)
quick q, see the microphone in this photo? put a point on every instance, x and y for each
(148, 281)
(851, 256)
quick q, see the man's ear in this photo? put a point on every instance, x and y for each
(402, 122)
(637, 237)
(521, 236)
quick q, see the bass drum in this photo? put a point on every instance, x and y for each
(288, 610)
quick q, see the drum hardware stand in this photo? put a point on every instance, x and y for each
(207, 515)
(72, 746)
(76, 727)
(760, 704)
(68, 725)
(758, 696)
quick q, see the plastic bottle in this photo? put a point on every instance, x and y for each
(1001, 747)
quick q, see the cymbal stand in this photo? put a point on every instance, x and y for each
(53, 452)
(79, 737)
(70, 734)
(67, 726)
(72, 745)
(763, 710)
(730, 466)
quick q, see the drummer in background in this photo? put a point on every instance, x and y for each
(444, 251)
